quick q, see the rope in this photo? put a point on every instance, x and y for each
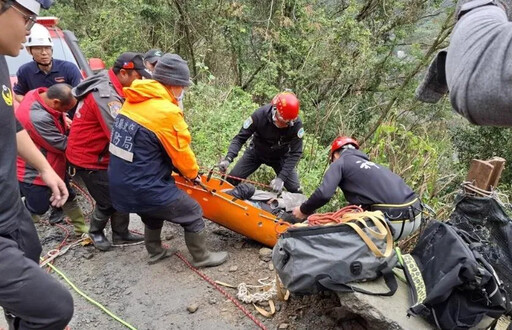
(319, 219)
(86, 195)
(61, 249)
(223, 175)
(92, 301)
(221, 290)
(248, 298)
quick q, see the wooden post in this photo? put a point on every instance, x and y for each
(499, 165)
(480, 173)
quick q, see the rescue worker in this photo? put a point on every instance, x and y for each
(41, 113)
(150, 139)
(151, 58)
(44, 70)
(30, 298)
(476, 66)
(277, 142)
(372, 186)
(100, 99)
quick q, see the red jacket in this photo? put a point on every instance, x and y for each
(46, 128)
(100, 99)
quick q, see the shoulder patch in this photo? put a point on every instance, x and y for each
(300, 133)
(7, 95)
(114, 108)
(248, 123)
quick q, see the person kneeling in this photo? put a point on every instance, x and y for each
(42, 113)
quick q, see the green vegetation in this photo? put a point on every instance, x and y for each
(353, 63)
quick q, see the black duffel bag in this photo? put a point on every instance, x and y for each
(452, 285)
(487, 220)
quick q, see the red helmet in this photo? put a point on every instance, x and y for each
(287, 104)
(340, 142)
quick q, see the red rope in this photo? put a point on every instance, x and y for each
(319, 219)
(236, 178)
(86, 195)
(221, 290)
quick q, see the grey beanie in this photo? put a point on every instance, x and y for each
(172, 70)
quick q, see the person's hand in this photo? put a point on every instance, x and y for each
(197, 180)
(60, 193)
(67, 122)
(223, 165)
(298, 213)
(277, 185)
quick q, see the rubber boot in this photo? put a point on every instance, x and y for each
(154, 246)
(196, 244)
(56, 215)
(35, 218)
(73, 211)
(98, 223)
(120, 233)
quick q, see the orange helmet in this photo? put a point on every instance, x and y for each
(340, 142)
(287, 105)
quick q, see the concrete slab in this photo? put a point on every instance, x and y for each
(389, 313)
(383, 312)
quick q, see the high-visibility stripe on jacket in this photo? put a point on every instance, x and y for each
(46, 128)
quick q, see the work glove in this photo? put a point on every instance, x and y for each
(197, 180)
(223, 165)
(277, 185)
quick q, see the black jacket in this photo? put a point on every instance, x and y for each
(270, 142)
(362, 182)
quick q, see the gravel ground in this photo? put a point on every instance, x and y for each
(157, 296)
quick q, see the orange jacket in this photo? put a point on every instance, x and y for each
(149, 104)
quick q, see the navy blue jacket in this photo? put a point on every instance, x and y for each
(362, 182)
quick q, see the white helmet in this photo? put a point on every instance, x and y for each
(31, 5)
(39, 36)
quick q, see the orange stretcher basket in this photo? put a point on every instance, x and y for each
(230, 212)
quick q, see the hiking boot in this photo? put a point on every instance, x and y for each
(154, 246)
(202, 257)
(120, 233)
(56, 216)
(73, 211)
(98, 223)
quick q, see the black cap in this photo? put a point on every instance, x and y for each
(132, 61)
(153, 55)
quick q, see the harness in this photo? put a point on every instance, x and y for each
(400, 215)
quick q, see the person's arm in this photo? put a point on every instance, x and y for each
(54, 140)
(29, 152)
(177, 146)
(247, 130)
(19, 98)
(20, 88)
(74, 74)
(324, 193)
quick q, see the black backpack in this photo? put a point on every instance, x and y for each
(452, 285)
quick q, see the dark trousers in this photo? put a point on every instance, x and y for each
(31, 298)
(37, 198)
(97, 184)
(250, 162)
(183, 211)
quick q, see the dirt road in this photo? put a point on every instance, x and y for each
(157, 296)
